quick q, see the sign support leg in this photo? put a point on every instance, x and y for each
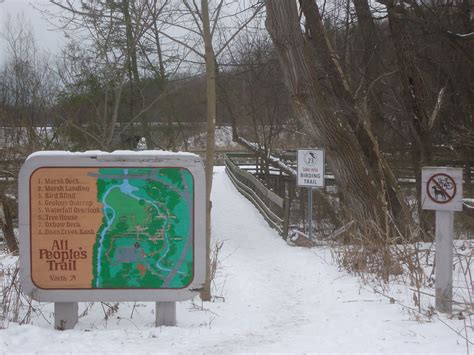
(310, 213)
(65, 315)
(166, 314)
(444, 261)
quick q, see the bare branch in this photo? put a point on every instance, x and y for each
(216, 17)
(193, 12)
(184, 44)
(435, 114)
(244, 25)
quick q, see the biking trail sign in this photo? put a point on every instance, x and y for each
(311, 168)
(442, 188)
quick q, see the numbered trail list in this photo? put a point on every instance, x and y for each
(112, 228)
(65, 218)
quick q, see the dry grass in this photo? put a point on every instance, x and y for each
(401, 261)
(15, 305)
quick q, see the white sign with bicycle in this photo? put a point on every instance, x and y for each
(310, 168)
(441, 189)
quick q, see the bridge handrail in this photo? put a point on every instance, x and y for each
(260, 196)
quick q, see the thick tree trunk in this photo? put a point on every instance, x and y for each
(210, 144)
(354, 112)
(414, 92)
(466, 8)
(371, 65)
(323, 117)
(415, 95)
(7, 226)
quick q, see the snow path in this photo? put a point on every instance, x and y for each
(277, 298)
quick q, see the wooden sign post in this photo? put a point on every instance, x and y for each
(442, 192)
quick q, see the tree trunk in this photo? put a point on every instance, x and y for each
(371, 65)
(466, 7)
(354, 112)
(210, 144)
(415, 95)
(7, 226)
(135, 81)
(322, 116)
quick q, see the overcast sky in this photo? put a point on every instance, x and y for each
(45, 37)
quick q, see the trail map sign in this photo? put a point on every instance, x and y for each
(112, 226)
(311, 168)
(442, 189)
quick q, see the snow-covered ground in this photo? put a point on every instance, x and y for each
(272, 298)
(223, 137)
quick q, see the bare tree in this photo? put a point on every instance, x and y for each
(28, 86)
(119, 35)
(200, 25)
(254, 94)
(433, 95)
(332, 117)
(134, 41)
(210, 59)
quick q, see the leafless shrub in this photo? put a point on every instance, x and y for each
(215, 253)
(215, 267)
(109, 309)
(369, 251)
(15, 305)
(382, 262)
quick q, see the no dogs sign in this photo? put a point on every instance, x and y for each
(442, 189)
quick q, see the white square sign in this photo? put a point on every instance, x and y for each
(311, 167)
(441, 189)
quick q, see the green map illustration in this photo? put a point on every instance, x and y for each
(146, 236)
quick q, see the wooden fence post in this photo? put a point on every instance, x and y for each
(468, 175)
(286, 217)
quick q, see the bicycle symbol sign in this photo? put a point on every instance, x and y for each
(310, 158)
(441, 188)
(310, 168)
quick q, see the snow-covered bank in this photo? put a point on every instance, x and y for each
(275, 298)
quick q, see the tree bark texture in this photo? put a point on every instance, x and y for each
(371, 66)
(210, 143)
(7, 226)
(414, 92)
(415, 95)
(323, 116)
(354, 112)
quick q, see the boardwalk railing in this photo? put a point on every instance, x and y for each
(272, 207)
(274, 193)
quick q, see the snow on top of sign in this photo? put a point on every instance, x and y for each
(442, 168)
(90, 153)
(468, 202)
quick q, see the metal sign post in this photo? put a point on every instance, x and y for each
(310, 174)
(442, 192)
(310, 213)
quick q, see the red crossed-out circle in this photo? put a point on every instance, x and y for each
(440, 188)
